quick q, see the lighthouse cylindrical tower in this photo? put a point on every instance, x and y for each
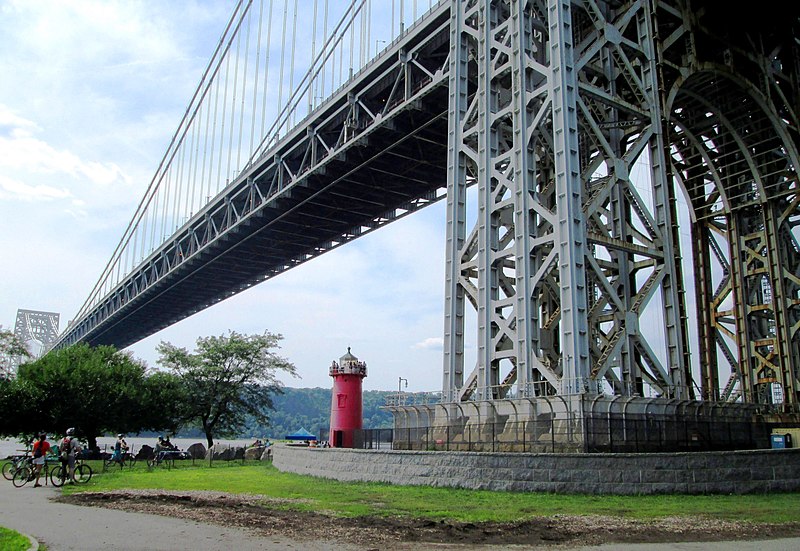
(346, 408)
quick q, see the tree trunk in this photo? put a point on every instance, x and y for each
(92, 441)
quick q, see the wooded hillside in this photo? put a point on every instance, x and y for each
(310, 408)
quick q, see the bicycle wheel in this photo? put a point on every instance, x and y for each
(22, 476)
(8, 470)
(83, 474)
(58, 475)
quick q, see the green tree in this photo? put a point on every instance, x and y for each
(96, 390)
(10, 346)
(13, 410)
(227, 379)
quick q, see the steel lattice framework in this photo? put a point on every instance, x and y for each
(552, 105)
(579, 129)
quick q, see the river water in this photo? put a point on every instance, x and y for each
(9, 446)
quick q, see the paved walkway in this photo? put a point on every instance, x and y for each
(65, 527)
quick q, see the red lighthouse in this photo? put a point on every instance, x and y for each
(346, 416)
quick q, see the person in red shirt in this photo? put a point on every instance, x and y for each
(40, 449)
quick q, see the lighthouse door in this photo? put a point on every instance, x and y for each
(338, 438)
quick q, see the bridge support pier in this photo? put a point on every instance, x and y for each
(580, 127)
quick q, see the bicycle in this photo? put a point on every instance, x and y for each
(125, 458)
(26, 473)
(59, 474)
(23, 473)
(12, 465)
(162, 459)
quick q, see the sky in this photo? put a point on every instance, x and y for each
(90, 94)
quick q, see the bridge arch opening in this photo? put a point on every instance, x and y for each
(735, 163)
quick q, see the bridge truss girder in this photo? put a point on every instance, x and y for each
(551, 105)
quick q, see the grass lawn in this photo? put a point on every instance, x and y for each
(300, 492)
(13, 541)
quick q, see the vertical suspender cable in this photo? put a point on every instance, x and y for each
(360, 39)
(155, 215)
(137, 238)
(256, 72)
(324, 92)
(312, 90)
(204, 195)
(341, 62)
(211, 155)
(337, 48)
(197, 197)
(222, 127)
(165, 209)
(144, 227)
(352, 46)
(189, 171)
(228, 175)
(266, 77)
(364, 43)
(179, 200)
(177, 190)
(244, 94)
(291, 64)
(283, 57)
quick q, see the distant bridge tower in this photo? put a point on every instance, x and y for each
(346, 402)
(37, 331)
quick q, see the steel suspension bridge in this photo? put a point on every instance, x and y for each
(317, 122)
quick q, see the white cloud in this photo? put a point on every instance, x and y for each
(431, 343)
(18, 190)
(25, 152)
(17, 125)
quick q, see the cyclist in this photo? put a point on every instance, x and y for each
(70, 448)
(120, 448)
(40, 449)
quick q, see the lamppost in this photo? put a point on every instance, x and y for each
(400, 381)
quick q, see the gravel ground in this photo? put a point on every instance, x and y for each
(266, 517)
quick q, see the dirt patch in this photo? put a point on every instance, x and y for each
(265, 516)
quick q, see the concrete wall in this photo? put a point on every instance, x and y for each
(692, 473)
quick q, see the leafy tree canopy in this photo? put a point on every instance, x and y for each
(227, 380)
(96, 390)
(10, 346)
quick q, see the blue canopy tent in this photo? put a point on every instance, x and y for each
(301, 434)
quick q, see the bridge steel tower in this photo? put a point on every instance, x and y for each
(554, 106)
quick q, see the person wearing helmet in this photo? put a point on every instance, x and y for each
(40, 449)
(69, 450)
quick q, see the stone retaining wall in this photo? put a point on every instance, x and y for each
(737, 472)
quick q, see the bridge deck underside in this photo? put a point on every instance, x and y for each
(392, 169)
